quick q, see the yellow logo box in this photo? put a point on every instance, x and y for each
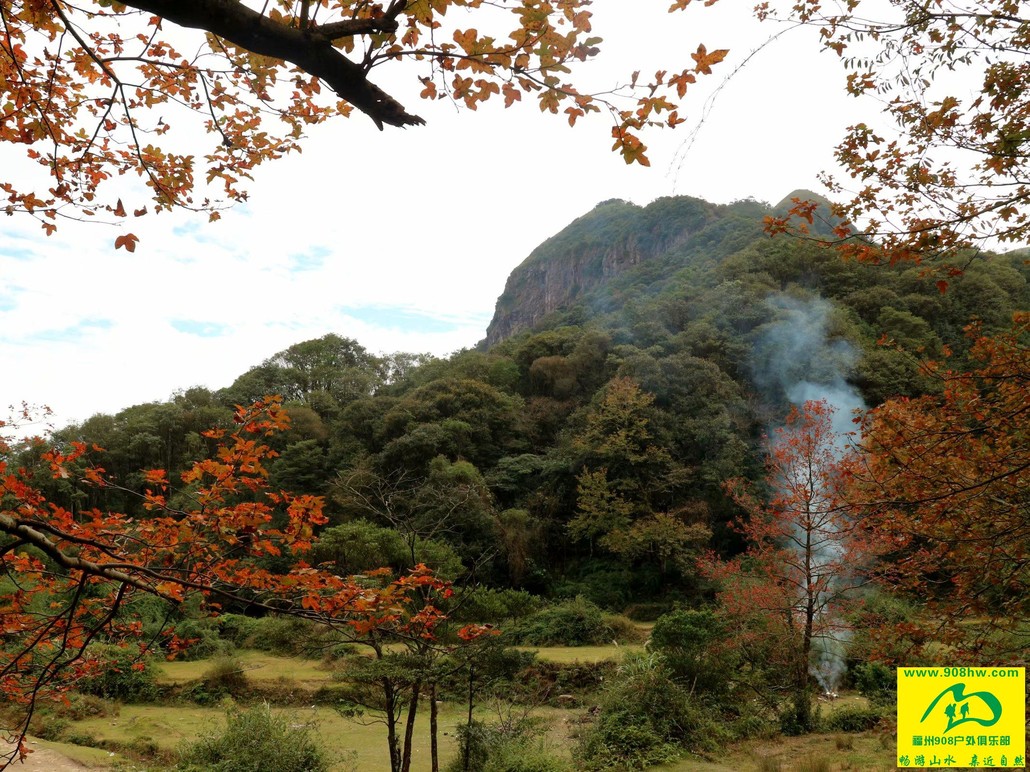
(961, 717)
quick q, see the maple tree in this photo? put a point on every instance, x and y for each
(944, 488)
(784, 597)
(100, 89)
(69, 575)
(953, 171)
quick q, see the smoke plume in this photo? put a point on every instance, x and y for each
(796, 360)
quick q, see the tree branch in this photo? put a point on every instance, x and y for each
(311, 51)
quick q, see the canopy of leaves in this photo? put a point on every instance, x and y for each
(100, 89)
(952, 171)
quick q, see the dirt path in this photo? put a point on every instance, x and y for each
(45, 760)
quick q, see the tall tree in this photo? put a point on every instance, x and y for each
(787, 591)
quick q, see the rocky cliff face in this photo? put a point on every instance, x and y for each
(614, 237)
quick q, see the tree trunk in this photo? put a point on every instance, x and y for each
(434, 749)
(468, 735)
(390, 698)
(409, 728)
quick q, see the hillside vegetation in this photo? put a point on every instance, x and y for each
(601, 461)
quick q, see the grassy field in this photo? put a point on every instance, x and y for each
(357, 744)
(360, 744)
(569, 654)
(257, 666)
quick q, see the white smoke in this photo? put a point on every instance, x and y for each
(795, 361)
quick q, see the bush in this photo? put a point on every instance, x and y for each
(83, 706)
(237, 629)
(853, 718)
(225, 676)
(286, 636)
(205, 639)
(118, 673)
(495, 606)
(576, 622)
(497, 748)
(646, 718)
(550, 681)
(255, 740)
(690, 641)
(877, 682)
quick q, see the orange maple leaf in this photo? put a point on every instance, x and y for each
(128, 241)
(704, 60)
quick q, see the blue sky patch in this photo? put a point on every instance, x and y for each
(70, 334)
(193, 230)
(405, 319)
(311, 260)
(200, 329)
(17, 252)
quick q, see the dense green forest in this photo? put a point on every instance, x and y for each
(656, 385)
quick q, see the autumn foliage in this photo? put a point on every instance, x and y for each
(102, 89)
(945, 491)
(786, 596)
(944, 166)
(72, 574)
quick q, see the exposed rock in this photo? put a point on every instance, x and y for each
(607, 241)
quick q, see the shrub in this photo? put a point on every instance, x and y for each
(646, 718)
(225, 676)
(83, 706)
(205, 640)
(853, 718)
(255, 740)
(48, 727)
(877, 682)
(118, 673)
(690, 641)
(576, 622)
(489, 605)
(281, 635)
(504, 748)
(237, 629)
(550, 681)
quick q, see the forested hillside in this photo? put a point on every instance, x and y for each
(786, 469)
(634, 365)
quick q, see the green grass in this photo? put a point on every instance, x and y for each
(362, 740)
(868, 754)
(568, 654)
(259, 666)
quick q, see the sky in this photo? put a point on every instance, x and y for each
(403, 239)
